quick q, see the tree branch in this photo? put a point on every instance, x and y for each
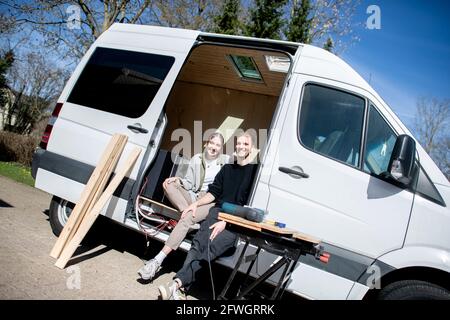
(91, 21)
(140, 11)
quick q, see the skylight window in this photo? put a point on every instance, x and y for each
(246, 67)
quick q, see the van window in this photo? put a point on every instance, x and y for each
(120, 82)
(379, 144)
(331, 123)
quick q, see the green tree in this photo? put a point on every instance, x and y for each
(266, 19)
(299, 26)
(5, 63)
(227, 21)
(329, 45)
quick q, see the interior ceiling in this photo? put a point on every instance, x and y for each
(210, 65)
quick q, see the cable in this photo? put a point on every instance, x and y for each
(210, 269)
(414, 197)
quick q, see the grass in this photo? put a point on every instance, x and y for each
(17, 172)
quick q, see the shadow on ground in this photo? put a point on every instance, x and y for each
(117, 237)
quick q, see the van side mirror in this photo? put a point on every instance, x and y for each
(401, 163)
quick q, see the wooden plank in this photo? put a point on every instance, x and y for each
(91, 216)
(283, 231)
(239, 221)
(159, 204)
(264, 226)
(91, 192)
(305, 237)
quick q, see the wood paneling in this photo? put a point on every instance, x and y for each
(209, 64)
(191, 102)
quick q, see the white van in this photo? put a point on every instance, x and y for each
(328, 167)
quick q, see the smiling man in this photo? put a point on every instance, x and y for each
(232, 184)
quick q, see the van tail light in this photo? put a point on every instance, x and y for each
(48, 129)
(57, 109)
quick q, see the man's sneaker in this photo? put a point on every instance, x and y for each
(149, 270)
(169, 291)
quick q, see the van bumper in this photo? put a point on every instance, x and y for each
(37, 156)
(72, 170)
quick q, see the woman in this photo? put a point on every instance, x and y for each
(182, 192)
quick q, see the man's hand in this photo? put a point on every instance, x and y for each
(217, 227)
(192, 207)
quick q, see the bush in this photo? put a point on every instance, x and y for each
(17, 148)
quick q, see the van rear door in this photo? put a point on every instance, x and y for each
(120, 86)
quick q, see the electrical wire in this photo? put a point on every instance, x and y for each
(210, 269)
(413, 198)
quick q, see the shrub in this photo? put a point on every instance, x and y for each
(17, 148)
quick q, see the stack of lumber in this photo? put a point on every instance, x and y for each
(93, 198)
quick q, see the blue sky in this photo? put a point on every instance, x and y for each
(409, 56)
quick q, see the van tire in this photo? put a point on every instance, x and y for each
(413, 290)
(58, 214)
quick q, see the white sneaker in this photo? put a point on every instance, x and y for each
(169, 291)
(149, 270)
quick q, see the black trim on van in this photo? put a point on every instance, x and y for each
(257, 43)
(74, 170)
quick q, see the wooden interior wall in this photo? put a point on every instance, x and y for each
(191, 102)
(210, 64)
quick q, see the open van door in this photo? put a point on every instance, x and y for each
(120, 86)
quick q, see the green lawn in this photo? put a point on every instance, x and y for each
(16, 172)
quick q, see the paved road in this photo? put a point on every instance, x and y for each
(107, 269)
(105, 265)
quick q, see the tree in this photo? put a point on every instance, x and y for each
(69, 27)
(5, 64)
(266, 19)
(431, 126)
(329, 45)
(37, 83)
(300, 22)
(187, 14)
(333, 19)
(227, 21)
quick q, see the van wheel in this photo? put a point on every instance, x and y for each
(58, 214)
(413, 290)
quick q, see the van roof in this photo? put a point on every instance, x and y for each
(313, 61)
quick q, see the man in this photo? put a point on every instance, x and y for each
(232, 184)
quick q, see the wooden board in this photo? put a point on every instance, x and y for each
(305, 237)
(286, 232)
(239, 221)
(91, 192)
(159, 204)
(91, 216)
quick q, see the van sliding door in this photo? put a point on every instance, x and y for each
(120, 86)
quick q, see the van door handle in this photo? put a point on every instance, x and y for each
(137, 127)
(294, 173)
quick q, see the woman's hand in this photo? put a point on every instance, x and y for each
(217, 227)
(192, 207)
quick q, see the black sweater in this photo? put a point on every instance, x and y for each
(232, 184)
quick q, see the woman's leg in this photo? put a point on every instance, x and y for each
(182, 228)
(177, 195)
